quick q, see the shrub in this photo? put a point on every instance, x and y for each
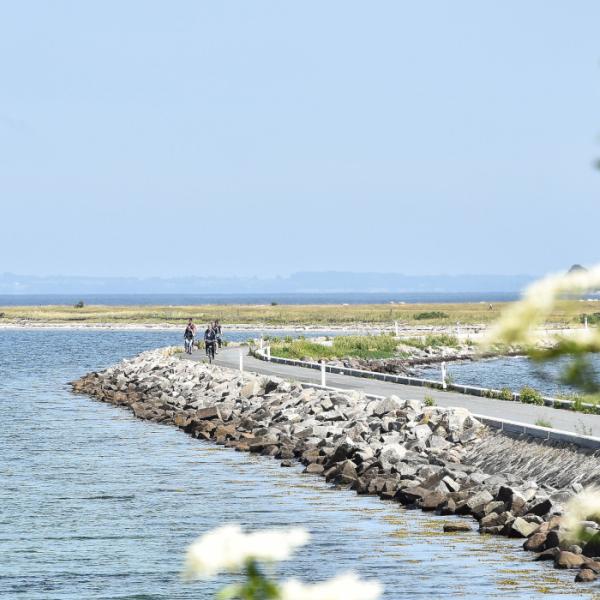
(274, 303)
(506, 394)
(429, 400)
(80, 304)
(530, 395)
(592, 319)
(432, 314)
(288, 339)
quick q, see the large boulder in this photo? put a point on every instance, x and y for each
(391, 455)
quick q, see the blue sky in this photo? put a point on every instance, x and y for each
(188, 138)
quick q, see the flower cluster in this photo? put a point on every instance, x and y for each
(343, 587)
(518, 323)
(227, 548)
(585, 506)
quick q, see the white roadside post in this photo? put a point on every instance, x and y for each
(585, 322)
(444, 385)
(323, 376)
(260, 342)
(269, 353)
(397, 331)
(241, 361)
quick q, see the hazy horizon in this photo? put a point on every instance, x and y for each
(296, 283)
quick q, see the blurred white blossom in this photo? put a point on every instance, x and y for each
(584, 506)
(344, 587)
(228, 548)
(519, 321)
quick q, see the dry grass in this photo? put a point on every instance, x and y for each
(567, 313)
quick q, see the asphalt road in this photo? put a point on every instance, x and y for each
(565, 420)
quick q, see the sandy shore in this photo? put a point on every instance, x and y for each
(361, 328)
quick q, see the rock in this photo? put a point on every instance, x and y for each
(536, 543)
(287, 463)
(422, 433)
(585, 575)
(542, 508)
(433, 500)
(410, 495)
(252, 388)
(460, 526)
(548, 554)
(568, 560)
(389, 404)
(479, 500)
(348, 472)
(521, 528)
(207, 413)
(391, 455)
(314, 468)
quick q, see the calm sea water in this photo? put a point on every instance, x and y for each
(512, 372)
(297, 298)
(95, 504)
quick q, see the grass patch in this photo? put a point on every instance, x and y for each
(431, 314)
(544, 423)
(355, 346)
(429, 400)
(432, 341)
(565, 313)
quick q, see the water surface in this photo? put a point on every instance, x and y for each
(95, 504)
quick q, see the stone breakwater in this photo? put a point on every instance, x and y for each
(435, 459)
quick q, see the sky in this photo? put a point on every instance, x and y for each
(262, 138)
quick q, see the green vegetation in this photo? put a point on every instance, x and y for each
(432, 314)
(565, 313)
(506, 394)
(429, 400)
(357, 346)
(79, 304)
(432, 341)
(530, 395)
(593, 319)
(544, 423)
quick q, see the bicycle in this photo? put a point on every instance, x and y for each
(210, 351)
(189, 345)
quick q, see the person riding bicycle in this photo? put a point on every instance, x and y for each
(210, 338)
(188, 336)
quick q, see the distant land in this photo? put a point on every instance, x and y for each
(332, 282)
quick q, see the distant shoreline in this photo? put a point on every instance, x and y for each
(358, 327)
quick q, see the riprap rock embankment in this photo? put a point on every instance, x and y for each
(436, 459)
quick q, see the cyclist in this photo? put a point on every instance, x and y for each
(218, 333)
(210, 337)
(188, 336)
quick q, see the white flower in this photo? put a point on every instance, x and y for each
(228, 548)
(585, 506)
(539, 299)
(344, 587)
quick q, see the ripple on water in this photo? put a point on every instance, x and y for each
(96, 504)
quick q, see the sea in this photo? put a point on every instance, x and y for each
(279, 298)
(98, 505)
